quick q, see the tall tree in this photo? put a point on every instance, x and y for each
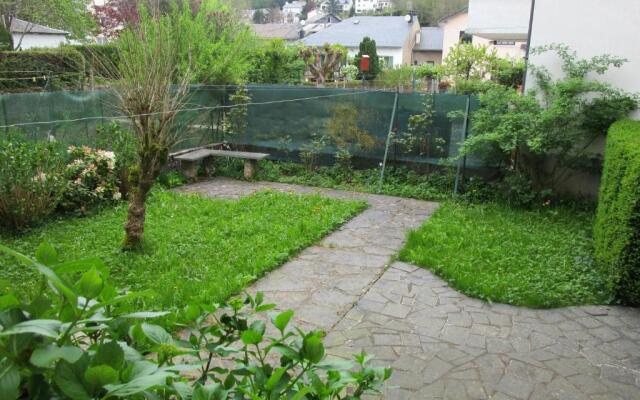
(259, 17)
(368, 47)
(151, 89)
(334, 7)
(69, 15)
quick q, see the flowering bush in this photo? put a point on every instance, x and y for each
(91, 178)
(31, 185)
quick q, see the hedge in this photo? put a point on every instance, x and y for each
(100, 58)
(44, 69)
(67, 67)
(617, 228)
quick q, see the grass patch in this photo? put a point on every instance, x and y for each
(539, 259)
(195, 248)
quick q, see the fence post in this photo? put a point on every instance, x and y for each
(462, 163)
(386, 148)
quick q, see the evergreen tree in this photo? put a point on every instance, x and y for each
(368, 47)
(352, 11)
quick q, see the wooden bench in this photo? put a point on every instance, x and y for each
(190, 161)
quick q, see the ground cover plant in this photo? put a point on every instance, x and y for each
(535, 258)
(198, 248)
(398, 181)
(77, 339)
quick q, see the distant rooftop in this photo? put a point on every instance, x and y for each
(277, 31)
(430, 39)
(22, 26)
(386, 31)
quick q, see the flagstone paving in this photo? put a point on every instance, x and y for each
(441, 344)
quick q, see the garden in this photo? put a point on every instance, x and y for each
(116, 282)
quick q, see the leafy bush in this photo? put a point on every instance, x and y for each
(617, 227)
(31, 183)
(274, 61)
(547, 141)
(122, 143)
(90, 178)
(80, 342)
(62, 68)
(100, 58)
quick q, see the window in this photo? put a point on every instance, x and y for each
(387, 61)
(465, 37)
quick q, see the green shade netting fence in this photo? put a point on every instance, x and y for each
(282, 120)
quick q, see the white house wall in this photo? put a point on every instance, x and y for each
(31, 40)
(591, 28)
(500, 19)
(396, 53)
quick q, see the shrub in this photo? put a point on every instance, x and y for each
(62, 68)
(82, 341)
(90, 179)
(100, 58)
(275, 61)
(122, 143)
(617, 227)
(31, 184)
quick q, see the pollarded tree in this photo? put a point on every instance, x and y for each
(323, 61)
(368, 47)
(151, 89)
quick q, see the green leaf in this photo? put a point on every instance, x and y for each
(69, 378)
(146, 314)
(214, 391)
(312, 348)
(45, 357)
(301, 394)
(251, 337)
(265, 307)
(90, 284)
(258, 326)
(287, 351)
(281, 320)
(275, 378)
(140, 384)
(110, 354)
(44, 327)
(70, 267)
(46, 254)
(100, 375)
(54, 279)
(9, 380)
(8, 301)
(156, 334)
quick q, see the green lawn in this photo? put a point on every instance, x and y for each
(530, 258)
(196, 248)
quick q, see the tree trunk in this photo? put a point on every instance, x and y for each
(134, 227)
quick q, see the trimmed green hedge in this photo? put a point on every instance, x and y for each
(617, 228)
(68, 67)
(45, 69)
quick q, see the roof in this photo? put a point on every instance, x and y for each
(22, 26)
(430, 39)
(386, 31)
(453, 14)
(328, 18)
(277, 31)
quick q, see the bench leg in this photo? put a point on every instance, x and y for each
(250, 168)
(190, 169)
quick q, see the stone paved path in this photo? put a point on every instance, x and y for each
(442, 344)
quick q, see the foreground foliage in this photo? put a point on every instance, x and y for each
(617, 228)
(76, 341)
(540, 258)
(198, 248)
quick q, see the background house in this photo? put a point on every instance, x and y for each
(395, 37)
(288, 32)
(507, 38)
(428, 47)
(343, 6)
(291, 11)
(369, 6)
(319, 24)
(27, 35)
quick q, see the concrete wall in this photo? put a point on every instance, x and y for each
(423, 57)
(451, 29)
(500, 19)
(591, 27)
(31, 40)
